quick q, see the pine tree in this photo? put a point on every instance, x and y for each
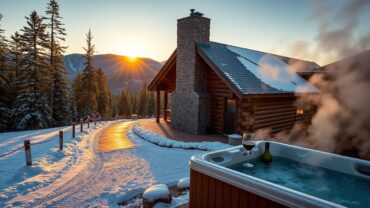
(104, 97)
(4, 110)
(72, 104)
(77, 101)
(59, 96)
(134, 103)
(150, 104)
(142, 105)
(89, 88)
(34, 110)
(124, 104)
(15, 77)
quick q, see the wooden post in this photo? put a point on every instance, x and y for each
(73, 130)
(95, 120)
(158, 107)
(60, 140)
(27, 150)
(165, 105)
(88, 121)
(81, 124)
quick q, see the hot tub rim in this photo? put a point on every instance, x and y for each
(271, 191)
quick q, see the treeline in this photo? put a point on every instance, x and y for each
(90, 93)
(142, 104)
(34, 90)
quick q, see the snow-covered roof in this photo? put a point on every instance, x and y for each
(255, 72)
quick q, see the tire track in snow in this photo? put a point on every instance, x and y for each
(101, 179)
(77, 182)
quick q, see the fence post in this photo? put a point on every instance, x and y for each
(81, 125)
(60, 140)
(27, 150)
(73, 130)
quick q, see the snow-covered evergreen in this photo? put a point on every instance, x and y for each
(33, 109)
(89, 89)
(59, 96)
(4, 111)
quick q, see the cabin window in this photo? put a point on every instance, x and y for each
(231, 105)
(299, 112)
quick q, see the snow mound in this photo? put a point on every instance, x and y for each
(183, 183)
(234, 136)
(166, 142)
(156, 192)
(176, 201)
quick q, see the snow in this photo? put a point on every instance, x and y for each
(155, 192)
(164, 141)
(272, 71)
(48, 162)
(234, 136)
(183, 183)
(80, 175)
(176, 201)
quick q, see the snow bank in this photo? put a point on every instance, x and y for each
(166, 142)
(156, 192)
(183, 183)
(176, 201)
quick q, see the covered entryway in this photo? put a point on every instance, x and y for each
(164, 84)
(229, 116)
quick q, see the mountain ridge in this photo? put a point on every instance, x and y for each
(122, 72)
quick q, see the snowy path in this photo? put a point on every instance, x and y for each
(103, 179)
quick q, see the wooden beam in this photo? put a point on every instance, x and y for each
(163, 71)
(158, 106)
(165, 105)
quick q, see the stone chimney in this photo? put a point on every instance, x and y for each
(190, 102)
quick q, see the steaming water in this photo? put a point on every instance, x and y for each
(333, 186)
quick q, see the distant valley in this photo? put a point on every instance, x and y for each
(122, 72)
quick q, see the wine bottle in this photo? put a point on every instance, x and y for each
(266, 156)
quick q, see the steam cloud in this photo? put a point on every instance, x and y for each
(341, 123)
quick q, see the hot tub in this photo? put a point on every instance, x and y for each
(297, 177)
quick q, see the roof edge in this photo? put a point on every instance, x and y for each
(162, 71)
(213, 66)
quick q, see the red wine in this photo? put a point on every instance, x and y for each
(248, 145)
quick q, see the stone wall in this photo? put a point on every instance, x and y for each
(191, 102)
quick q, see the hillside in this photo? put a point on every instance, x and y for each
(121, 71)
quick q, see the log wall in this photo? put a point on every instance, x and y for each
(206, 191)
(218, 91)
(276, 114)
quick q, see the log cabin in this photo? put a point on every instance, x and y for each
(224, 89)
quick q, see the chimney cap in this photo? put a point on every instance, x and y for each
(194, 13)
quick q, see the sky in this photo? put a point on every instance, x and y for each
(147, 28)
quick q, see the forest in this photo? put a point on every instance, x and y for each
(34, 90)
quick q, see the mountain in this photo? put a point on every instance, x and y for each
(122, 72)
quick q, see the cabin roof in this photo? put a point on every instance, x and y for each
(248, 72)
(253, 72)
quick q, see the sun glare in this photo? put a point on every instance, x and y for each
(132, 59)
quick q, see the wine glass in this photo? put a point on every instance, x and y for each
(248, 142)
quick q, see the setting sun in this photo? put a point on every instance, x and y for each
(131, 59)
